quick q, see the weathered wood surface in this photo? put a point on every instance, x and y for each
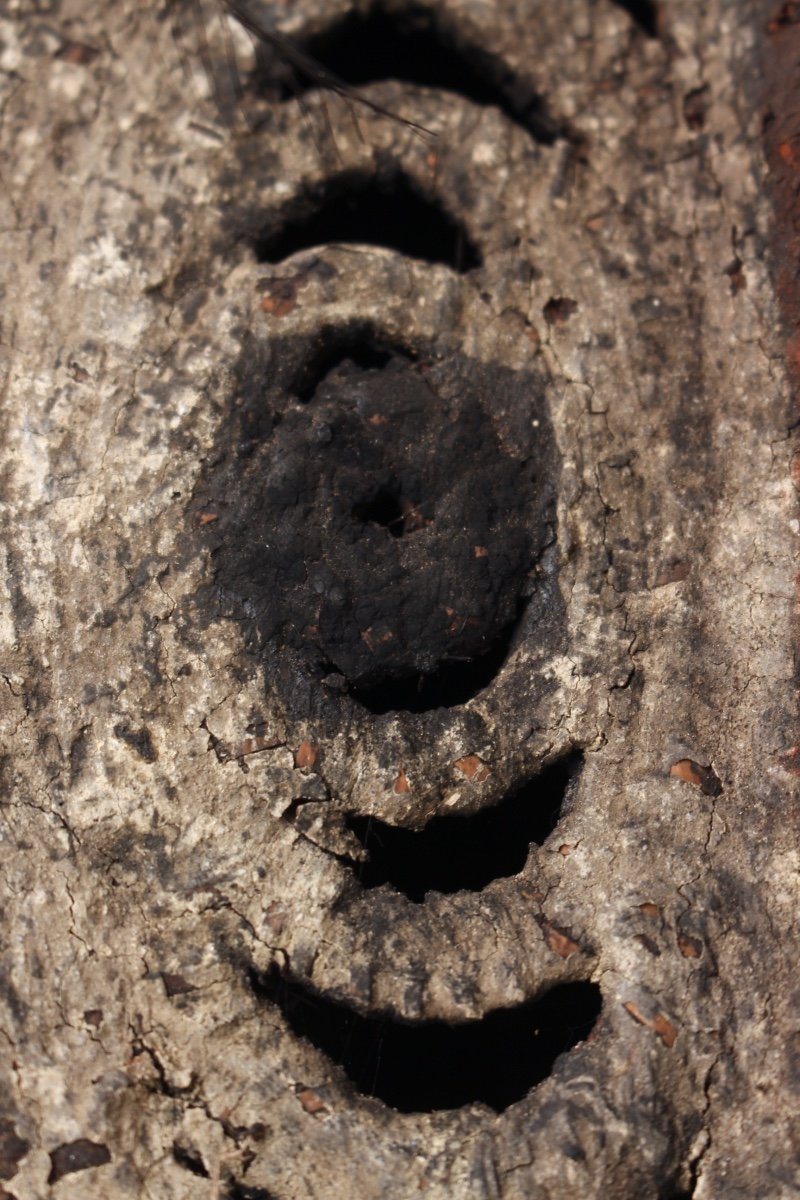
(178, 760)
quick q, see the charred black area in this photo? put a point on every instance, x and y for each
(433, 1065)
(452, 682)
(644, 13)
(412, 46)
(385, 521)
(465, 853)
(354, 207)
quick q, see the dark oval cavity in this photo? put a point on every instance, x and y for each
(414, 46)
(387, 529)
(465, 853)
(428, 1066)
(385, 210)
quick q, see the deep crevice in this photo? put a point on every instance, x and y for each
(454, 681)
(465, 853)
(354, 207)
(429, 1066)
(411, 47)
(189, 1160)
(644, 13)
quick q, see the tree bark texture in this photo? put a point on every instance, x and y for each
(396, 609)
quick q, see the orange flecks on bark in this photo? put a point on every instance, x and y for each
(559, 942)
(658, 1024)
(312, 1103)
(305, 755)
(473, 767)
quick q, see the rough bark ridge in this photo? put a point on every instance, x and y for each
(256, 941)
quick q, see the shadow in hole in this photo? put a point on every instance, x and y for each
(465, 853)
(189, 1160)
(433, 1065)
(241, 1191)
(356, 208)
(359, 344)
(644, 13)
(386, 508)
(368, 47)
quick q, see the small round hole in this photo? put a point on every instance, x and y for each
(390, 509)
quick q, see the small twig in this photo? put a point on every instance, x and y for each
(250, 19)
(215, 1176)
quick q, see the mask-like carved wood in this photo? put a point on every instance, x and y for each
(285, 897)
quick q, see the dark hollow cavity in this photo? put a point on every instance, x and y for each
(465, 853)
(644, 13)
(411, 47)
(387, 508)
(356, 208)
(433, 1065)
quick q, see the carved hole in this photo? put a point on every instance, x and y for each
(390, 509)
(433, 1065)
(357, 208)
(465, 853)
(410, 46)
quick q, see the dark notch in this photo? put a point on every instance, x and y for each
(645, 14)
(465, 853)
(411, 47)
(360, 344)
(358, 207)
(434, 1065)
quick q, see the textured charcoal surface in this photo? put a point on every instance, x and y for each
(383, 530)
(312, 887)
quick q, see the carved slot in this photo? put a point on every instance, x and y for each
(465, 853)
(411, 46)
(357, 208)
(434, 1065)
